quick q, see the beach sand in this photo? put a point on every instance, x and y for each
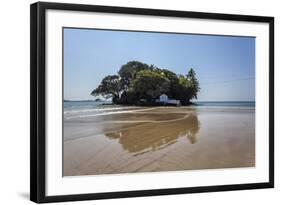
(147, 139)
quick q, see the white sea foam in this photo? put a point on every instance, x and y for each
(146, 121)
(110, 113)
(97, 110)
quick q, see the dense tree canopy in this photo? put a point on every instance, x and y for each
(109, 88)
(137, 81)
(150, 85)
(129, 71)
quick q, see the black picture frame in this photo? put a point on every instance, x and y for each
(38, 101)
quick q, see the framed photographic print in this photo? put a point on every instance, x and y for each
(129, 102)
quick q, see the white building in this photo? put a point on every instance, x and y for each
(164, 99)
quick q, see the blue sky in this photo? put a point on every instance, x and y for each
(225, 65)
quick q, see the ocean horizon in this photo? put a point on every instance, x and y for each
(91, 106)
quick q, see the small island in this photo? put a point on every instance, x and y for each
(138, 83)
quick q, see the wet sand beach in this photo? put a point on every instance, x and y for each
(147, 139)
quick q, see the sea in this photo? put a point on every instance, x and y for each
(225, 104)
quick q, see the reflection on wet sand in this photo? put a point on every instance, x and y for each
(158, 139)
(156, 135)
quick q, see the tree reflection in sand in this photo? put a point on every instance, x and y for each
(144, 137)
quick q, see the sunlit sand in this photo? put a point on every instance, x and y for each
(147, 139)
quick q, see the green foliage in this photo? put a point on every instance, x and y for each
(109, 87)
(150, 84)
(137, 81)
(129, 71)
(193, 83)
